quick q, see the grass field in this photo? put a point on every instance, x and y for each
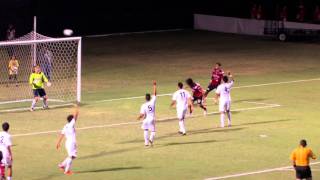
(269, 119)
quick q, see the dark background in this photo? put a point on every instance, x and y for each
(106, 16)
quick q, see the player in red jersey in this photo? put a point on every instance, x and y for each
(198, 94)
(216, 77)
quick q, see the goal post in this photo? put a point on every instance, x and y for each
(59, 59)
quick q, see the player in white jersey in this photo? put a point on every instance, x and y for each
(147, 113)
(69, 132)
(182, 100)
(223, 93)
(5, 148)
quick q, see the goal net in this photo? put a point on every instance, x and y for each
(59, 59)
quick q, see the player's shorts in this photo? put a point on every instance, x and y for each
(181, 113)
(198, 100)
(6, 161)
(303, 172)
(71, 148)
(211, 87)
(224, 106)
(12, 76)
(2, 171)
(39, 92)
(148, 125)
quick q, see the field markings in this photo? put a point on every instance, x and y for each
(255, 172)
(237, 87)
(266, 106)
(27, 109)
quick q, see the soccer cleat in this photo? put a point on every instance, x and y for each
(179, 132)
(45, 107)
(151, 143)
(31, 109)
(184, 134)
(205, 112)
(68, 173)
(61, 167)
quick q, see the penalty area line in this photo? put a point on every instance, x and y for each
(139, 122)
(255, 172)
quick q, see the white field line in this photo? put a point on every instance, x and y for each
(260, 103)
(138, 122)
(255, 172)
(237, 87)
(28, 100)
(26, 109)
(129, 33)
(128, 98)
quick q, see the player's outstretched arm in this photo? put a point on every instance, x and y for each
(154, 88)
(76, 112)
(59, 141)
(230, 76)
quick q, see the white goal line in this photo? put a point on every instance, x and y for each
(237, 87)
(255, 172)
(28, 108)
(28, 100)
(139, 122)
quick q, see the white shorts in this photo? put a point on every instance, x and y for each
(181, 113)
(6, 161)
(148, 125)
(224, 106)
(71, 148)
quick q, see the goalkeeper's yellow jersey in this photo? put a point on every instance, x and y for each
(13, 66)
(37, 80)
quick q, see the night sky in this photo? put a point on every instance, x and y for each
(96, 17)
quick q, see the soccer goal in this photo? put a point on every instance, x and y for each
(59, 59)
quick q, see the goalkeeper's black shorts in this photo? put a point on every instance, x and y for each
(39, 92)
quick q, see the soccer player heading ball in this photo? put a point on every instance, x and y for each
(37, 80)
(147, 112)
(198, 94)
(216, 78)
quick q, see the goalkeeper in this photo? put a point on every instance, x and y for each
(37, 80)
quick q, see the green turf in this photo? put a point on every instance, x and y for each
(125, 66)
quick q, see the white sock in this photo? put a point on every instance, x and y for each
(9, 178)
(152, 135)
(64, 163)
(181, 125)
(45, 103)
(33, 103)
(68, 164)
(146, 136)
(222, 119)
(229, 117)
